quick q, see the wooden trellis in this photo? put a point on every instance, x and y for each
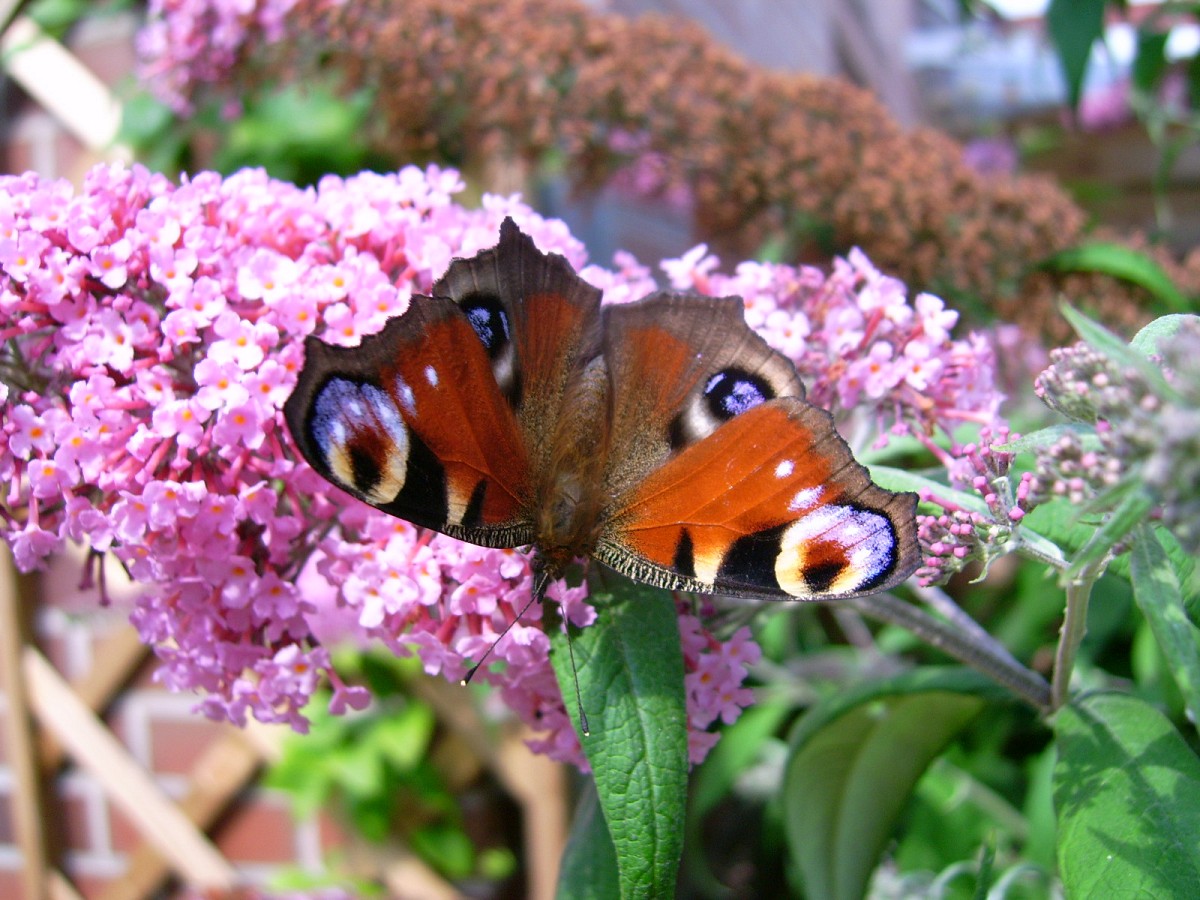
(52, 722)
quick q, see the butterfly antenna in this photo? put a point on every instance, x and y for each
(583, 722)
(488, 652)
(541, 584)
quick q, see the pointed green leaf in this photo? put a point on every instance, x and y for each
(1044, 438)
(904, 480)
(854, 763)
(1156, 590)
(630, 667)
(1150, 60)
(1032, 542)
(1132, 510)
(589, 864)
(1127, 793)
(1104, 341)
(1147, 340)
(741, 744)
(1074, 25)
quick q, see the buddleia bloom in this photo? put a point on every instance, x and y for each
(149, 336)
(1145, 428)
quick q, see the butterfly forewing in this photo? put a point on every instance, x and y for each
(538, 321)
(413, 422)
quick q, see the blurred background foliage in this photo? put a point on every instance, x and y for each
(566, 103)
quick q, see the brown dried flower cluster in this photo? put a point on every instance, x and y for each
(761, 153)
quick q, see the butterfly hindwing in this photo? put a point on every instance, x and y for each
(780, 509)
(414, 422)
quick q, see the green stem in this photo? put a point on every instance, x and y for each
(1074, 627)
(984, 654)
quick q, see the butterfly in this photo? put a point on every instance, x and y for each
(663, 438)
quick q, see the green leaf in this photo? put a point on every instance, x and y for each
(1074, 25)
(1193, 80)
(1131, 511)
(740, 746)
(404, 735)
(1156, 590)
(1127, 792)
(1150, 60)
(1031, 542)
(853, 765)
(446, 847)
(904, 480)
(1044, 438)
(589, 865)
(1147, 341)
(630, 667)
(1124, 263)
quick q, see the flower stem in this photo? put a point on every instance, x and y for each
(978, 650)
(1074, 627)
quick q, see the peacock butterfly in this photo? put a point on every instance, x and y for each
(663, 438)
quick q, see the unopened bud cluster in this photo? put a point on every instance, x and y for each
(1142, 431)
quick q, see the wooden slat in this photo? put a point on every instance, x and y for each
(26, 800)
(61, 887)
(116, 662)
(93, 747)
(539, 785)
(227, 765)
(79, 100)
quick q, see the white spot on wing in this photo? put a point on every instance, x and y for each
(804, 499)
(431, 376)
(405, 395)
(785, 468)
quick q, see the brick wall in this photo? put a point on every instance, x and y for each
(257, 834)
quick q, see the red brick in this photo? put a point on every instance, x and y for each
(11, 884)
(106, 48)
(176, 745)
(257, 830)
(8, 830)
(331, 830)
(71, 818)
(90, 886)
(125, 836)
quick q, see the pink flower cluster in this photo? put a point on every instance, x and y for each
(187, 41)
(149, 335)
(958, 535)
(859, 342)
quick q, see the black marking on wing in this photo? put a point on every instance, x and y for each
(750, 559)
(685, 556)
(423, 499)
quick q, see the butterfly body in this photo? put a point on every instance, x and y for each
(663, 437)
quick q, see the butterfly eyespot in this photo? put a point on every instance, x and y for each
(726, 394)
(835, 550)
(489, 320)
(734, 391)
(362, 438)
